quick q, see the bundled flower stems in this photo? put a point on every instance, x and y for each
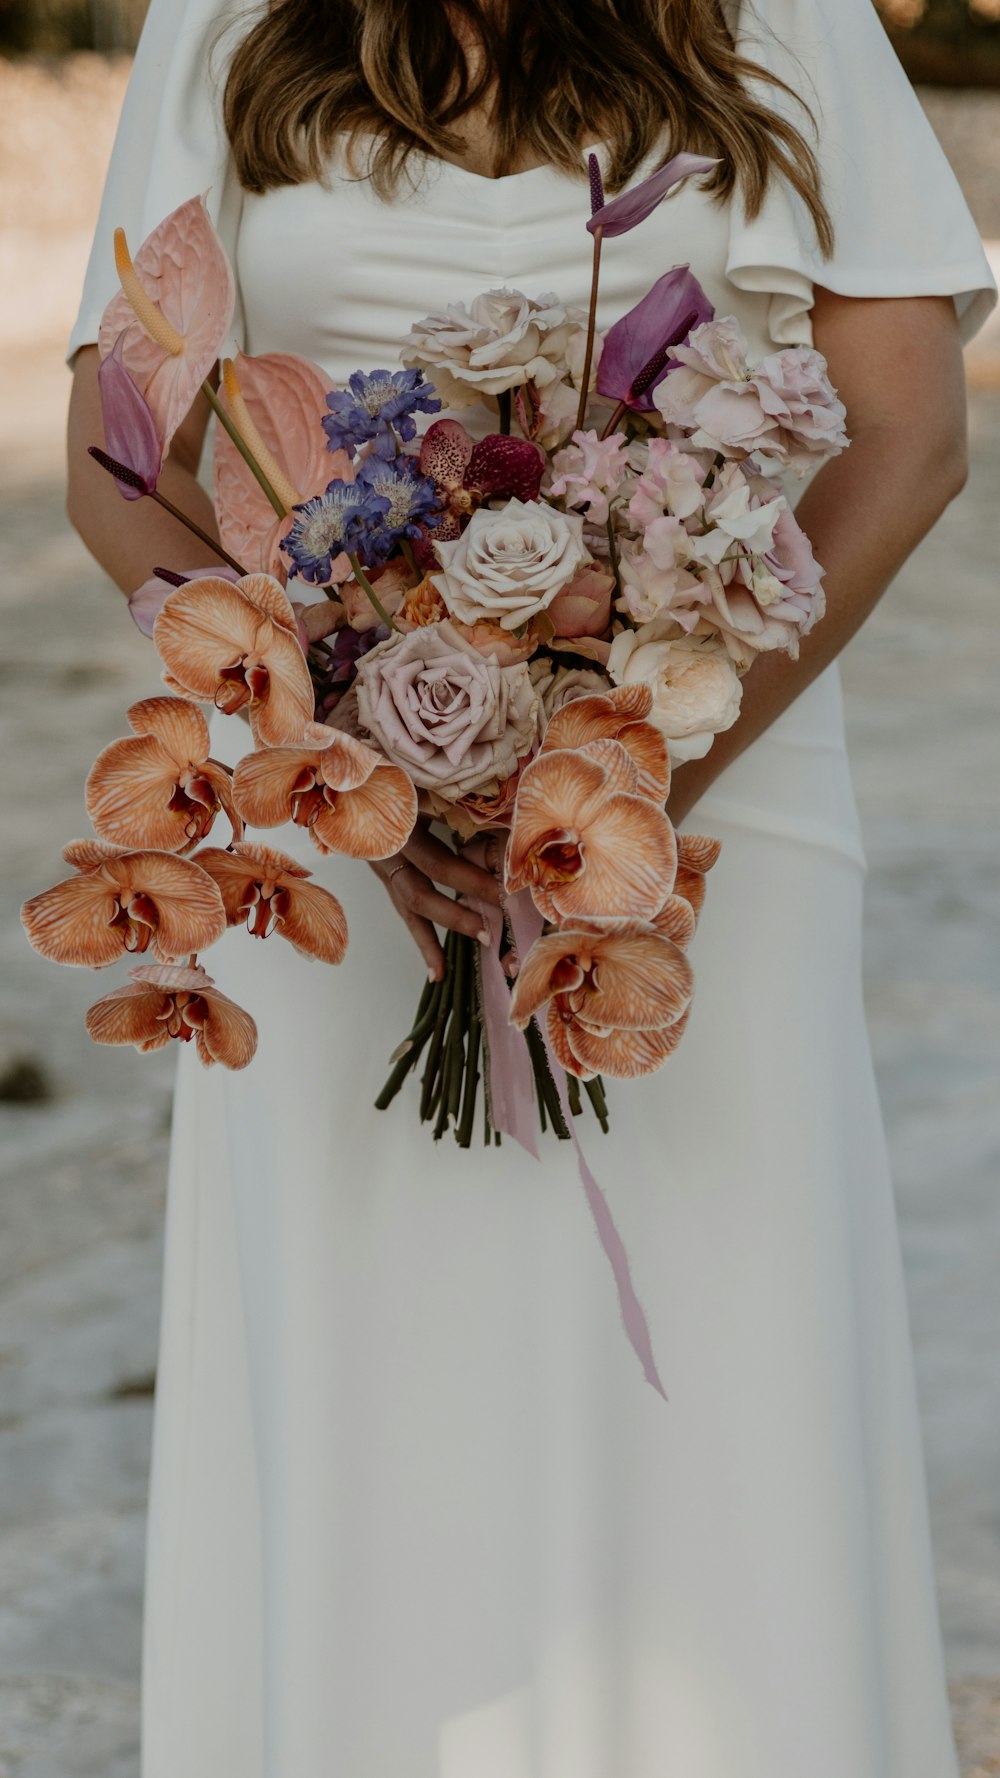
(512, 628)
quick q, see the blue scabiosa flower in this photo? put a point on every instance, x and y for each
(378, 405)
(329, 524)
(409, 499)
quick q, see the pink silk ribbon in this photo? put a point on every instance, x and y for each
(512, 1096)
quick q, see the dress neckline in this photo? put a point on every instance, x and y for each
(435, 160)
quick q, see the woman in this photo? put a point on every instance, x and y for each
(415, 1514)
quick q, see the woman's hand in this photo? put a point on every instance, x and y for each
(410, 877)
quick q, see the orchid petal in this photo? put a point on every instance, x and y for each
(633, 206)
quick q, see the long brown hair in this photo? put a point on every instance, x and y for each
(392, 76)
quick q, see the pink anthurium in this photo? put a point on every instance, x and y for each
(146, 603)
(280, 401)
(636, 353)
(617, 215)
(164, 1001)
(172, 313)
(130, 431)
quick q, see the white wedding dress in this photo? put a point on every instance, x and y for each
(415, 1513)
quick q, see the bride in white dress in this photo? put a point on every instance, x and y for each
(415, 1512)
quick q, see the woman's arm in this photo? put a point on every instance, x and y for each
(897, 365)
(151, 538)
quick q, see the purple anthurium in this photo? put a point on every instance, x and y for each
(631, 207)
(129, 428)
(146, 603)
(637, 348)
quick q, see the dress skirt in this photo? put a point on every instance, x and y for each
(415, 1513)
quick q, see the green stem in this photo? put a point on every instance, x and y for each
(573, 1093)
(245, 452)
(594, 1090)
(619, 414)
(410, 1049)
(588, 357)
(547, 1090)
(464, 1131)
(504, 403)
(366, 587)
(429, 1080)
(215, 547)
(616, 567)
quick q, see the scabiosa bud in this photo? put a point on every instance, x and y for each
(378, 405)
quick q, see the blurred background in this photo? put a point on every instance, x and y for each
(83, 1132)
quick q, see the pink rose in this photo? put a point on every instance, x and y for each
(453, 719)
(391, 583)
(786, 408)
(583, 608)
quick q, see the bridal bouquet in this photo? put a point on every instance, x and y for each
(512, 628)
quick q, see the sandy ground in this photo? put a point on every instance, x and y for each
(82, 1164)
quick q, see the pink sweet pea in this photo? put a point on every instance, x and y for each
(589, 472)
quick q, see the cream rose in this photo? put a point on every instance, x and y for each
(503, 339)
(696, 689)
(509, 565)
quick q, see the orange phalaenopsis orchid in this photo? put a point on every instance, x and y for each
(236, 643)
(351, 799)
(696, 854)
(277, 403)
(158, 787)
(617, 715)
(584, 840)
(124, 902)
(172, 313)
(163, 1002)
(269, 892)
(617, 997)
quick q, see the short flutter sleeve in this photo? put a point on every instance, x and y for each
(902, 225)
(171, 144)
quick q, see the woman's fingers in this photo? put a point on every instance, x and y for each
(442, 865)
(423, 907)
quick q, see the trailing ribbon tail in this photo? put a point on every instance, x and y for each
(512, 1094)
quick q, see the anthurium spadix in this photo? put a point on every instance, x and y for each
(172, 314)
(629, 208)
(637, 348)
(276, 402)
